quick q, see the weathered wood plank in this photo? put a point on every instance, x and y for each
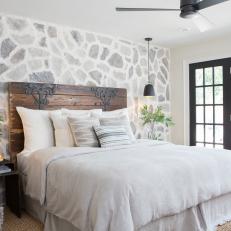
(64, 96)
(18, 88)
(63, 100)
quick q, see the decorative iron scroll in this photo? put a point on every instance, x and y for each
(40, 92)
(105, 95)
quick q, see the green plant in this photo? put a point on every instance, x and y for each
(152, 118)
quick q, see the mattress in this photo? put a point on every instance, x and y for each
(22, 165)
(22, 162)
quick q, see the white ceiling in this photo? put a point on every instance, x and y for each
(166, 28)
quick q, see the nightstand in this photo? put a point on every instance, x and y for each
(12, 188)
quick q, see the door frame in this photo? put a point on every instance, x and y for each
(185, 68)
(226, 63)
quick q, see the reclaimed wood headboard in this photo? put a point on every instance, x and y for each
(45, 96)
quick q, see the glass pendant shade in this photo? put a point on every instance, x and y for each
(149, 90)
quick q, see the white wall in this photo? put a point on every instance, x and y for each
(181, 57)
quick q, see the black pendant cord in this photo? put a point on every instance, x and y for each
(148, 64)
(148, 40)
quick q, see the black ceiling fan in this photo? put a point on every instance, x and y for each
(188, 9)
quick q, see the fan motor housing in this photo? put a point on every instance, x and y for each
(188, 8)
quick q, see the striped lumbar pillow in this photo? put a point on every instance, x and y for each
(110, 136)
(83, 132)
(120, 121)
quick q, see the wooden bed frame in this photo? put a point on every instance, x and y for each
(45, 96)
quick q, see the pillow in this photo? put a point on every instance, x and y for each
(63, 134)
(37, 127)
(83, 132)
(121, 121)
(114, 113)
(93, 112)
(110, 136)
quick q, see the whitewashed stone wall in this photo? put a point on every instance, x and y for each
(42, 52)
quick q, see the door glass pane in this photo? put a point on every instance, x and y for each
(219, 146)
(199, 95)
(209, 145)
(199, 114)
(199, 144)
(209, 114)
(209, 133)
(219, 114)
(218, 92)
(200, 133)
(218, 134)
(199, 77)
(209, 76)
(208, 95)
(218, 75)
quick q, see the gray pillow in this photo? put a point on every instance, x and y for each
(83, 132)
(110, 136)
(121, 121)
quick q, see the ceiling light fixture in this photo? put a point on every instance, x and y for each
(149, 89)
(189, 9)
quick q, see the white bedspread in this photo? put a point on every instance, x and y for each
(125, 188)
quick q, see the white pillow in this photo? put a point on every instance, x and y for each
(63, 134)
(114, 113)
(93, 112)
(37, 127)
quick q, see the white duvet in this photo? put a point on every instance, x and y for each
(125, 188)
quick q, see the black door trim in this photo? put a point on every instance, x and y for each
(226, 63)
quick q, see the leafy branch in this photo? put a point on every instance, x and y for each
(151, 118)
(158, 116)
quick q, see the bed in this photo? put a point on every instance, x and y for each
(144, 186)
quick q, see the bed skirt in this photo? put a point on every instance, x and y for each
(204, 217)
(188, 220)
(34, 208)
(1, 217)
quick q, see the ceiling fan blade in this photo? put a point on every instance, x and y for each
(203, 23)
(144, 9)
(207, 3)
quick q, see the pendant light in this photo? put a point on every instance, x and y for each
(149, 89)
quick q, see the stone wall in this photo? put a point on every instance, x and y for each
(41, 52)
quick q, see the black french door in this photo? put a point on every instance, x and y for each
(210, 104)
